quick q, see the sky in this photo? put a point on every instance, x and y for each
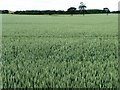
(14, 5)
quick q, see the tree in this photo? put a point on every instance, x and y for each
(106, 10)
(82, 7)
(71, 10)
(4, 11)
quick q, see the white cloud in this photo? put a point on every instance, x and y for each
(56, 4)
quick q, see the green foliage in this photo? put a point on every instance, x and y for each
(60, 51)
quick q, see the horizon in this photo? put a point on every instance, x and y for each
(51, 10)
(15, 5)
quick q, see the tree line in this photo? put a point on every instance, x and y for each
(50, 12)
(72, 10)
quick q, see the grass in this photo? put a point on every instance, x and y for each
(60, 51)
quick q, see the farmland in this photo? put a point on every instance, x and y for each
(59, 51)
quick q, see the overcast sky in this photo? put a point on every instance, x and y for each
(56, 4)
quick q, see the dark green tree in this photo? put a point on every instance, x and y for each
(71, 10)
(106, 10)
(82, 8)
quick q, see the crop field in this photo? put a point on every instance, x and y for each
(60, 51)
